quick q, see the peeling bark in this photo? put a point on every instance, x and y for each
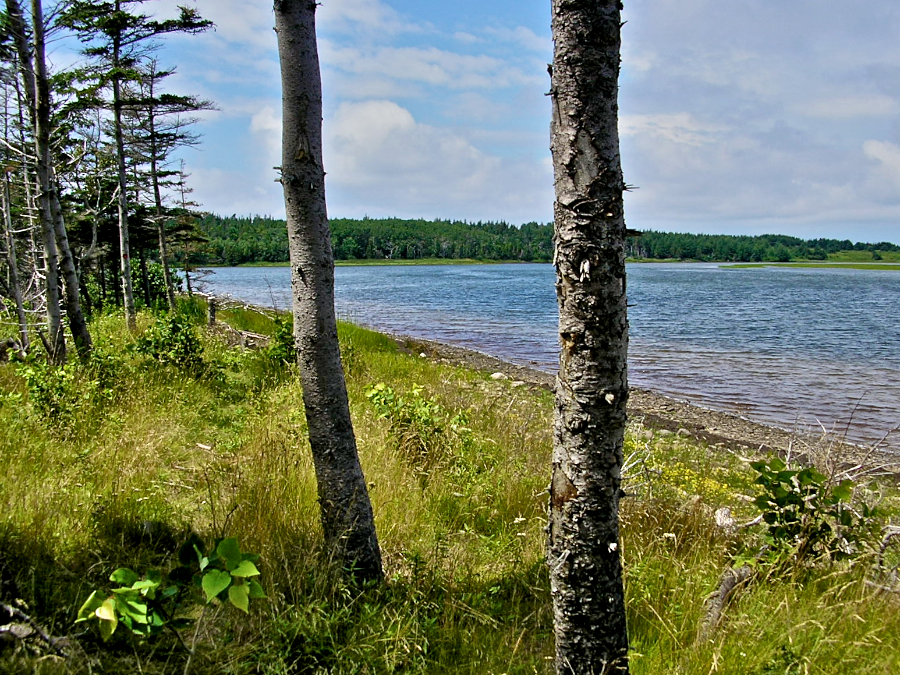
(592, 385)
(346, 511)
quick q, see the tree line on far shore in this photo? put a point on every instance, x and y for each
(237, 240)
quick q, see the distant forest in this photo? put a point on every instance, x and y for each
(235, 240)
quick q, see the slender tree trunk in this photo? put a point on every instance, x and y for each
(26, 167)
(346, 511)
(592, 387)
(12, 262)
(160, 222)
(42, 144)
(77, 323)
(124, 240)
(11, 256)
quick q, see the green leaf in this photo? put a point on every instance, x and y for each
(239, 595)
(776, 464)
(124, 576)
(256, 591)
(245, 569)
(230, 551)
(844, 491)
(89, 608)
(135, 610)
(108, 619)
(214, 582)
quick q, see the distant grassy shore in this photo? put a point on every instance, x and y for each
(889, 267)
(111, 464)
(856, 259)
(392, 262)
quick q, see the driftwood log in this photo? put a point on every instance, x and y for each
(17, 627)
(731, 580)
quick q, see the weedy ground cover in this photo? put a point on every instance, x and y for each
(117, 463)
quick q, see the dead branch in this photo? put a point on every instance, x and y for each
(716, 603)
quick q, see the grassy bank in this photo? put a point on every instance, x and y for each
(393, 262)
(884, 267)
(113, 464)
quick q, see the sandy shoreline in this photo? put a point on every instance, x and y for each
(665, 416)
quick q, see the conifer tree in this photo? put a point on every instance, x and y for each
(118, 40)
(57, 252)
(157, 124)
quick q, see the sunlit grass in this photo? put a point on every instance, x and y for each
(883, 267)
(151, 453)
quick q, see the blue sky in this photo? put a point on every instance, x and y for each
(737, 116)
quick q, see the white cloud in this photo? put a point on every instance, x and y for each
(466, 38)
(265, 121)
(233, 191)
(241, 22)
(381, 161)
(523, 37)
(364, 16)
(429, 65)
(888, 156)
(849, 107)
(680, 128)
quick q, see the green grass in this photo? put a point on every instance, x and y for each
(224, 450)
(823, 265)
(864, 256)
(398, 261)
(425, 261)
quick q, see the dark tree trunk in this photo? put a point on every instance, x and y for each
(346, 512)
(592, 387)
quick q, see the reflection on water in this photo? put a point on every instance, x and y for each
(805, 348)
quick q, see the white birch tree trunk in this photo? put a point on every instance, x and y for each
(346, 511)
(592, 387)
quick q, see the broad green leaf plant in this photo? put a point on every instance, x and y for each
(150, 604)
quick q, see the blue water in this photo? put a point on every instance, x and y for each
(798, 348)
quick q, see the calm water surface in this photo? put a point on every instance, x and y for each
(798, 348)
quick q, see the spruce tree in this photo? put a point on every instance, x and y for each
(117, 42)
